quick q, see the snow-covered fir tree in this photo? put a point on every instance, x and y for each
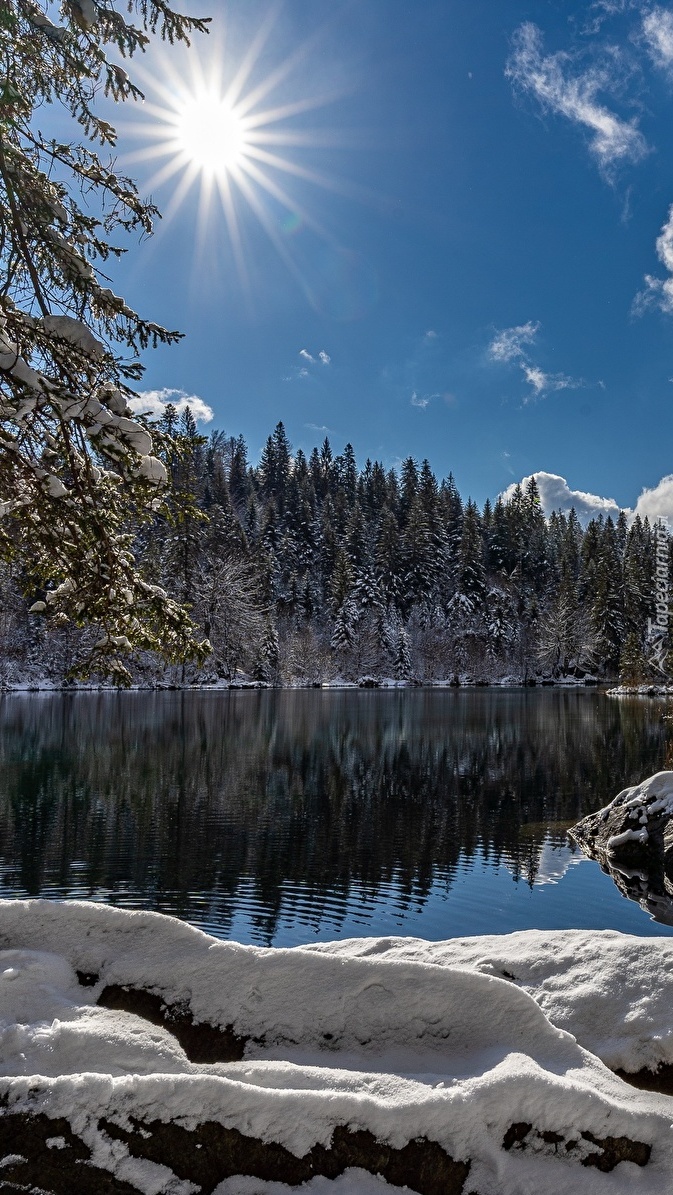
(302, 568)
(79, 472)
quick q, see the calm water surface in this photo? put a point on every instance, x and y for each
(286, 817)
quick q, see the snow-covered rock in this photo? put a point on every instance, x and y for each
(632, 839)
(465, 1066)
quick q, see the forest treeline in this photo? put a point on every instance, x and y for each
(309, 568)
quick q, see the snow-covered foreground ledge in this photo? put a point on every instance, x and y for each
(477, 1066)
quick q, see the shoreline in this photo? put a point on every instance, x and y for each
(640, 691)
(385, 684)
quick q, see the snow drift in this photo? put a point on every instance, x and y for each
(474, 1066)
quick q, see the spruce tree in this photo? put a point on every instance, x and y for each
(266, 668)
(402, 655)
(386, 556)
(282, 458)
(408, 489)
(418, 556)
(327, 467)
(633, 667)
(78, 472)
(357, 547)
(498, 539)
(535, 537)
(470, 572)
(341, 581)
(343, 634)
(267, 470)
(637, 579)
(239, 482)
(607, 607)
(348, 473)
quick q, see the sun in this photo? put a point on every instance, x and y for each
(241, 139)
(211, 134)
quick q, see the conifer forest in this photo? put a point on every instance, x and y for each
(306, 570)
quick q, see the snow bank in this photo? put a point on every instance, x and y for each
(612, 991)
(487, 1050)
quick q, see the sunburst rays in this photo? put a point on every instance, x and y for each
(236, 140)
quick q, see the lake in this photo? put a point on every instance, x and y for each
(283, 817)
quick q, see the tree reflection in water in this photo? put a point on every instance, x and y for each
(297, 804)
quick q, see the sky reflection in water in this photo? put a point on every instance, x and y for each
(286, 817)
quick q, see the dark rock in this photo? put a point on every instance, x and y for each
(516, 1132)
(53, 1160)
(660, 1080)
(87, 979)
(209, 1154)
(609, 1153)
(48, 1168)
(613, 1150)
(632, 840)
(200, 1041)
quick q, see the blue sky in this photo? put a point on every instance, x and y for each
(497, 178)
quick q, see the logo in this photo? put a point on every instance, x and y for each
(657, 628)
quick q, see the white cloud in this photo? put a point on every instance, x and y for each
(323, 357)
(421, 401)
(548, 78)
(154, 402)
(546, 383)
(319, 427)
(657, 502)
(511, 345)
(602, 10)
(508, 344)
(535, 376)
(430, 335)
(555, 494)
(658, 292)
(658, 34)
